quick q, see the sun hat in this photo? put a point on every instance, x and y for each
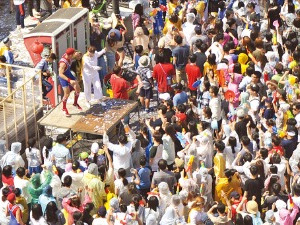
(144, 61)
(165, 96)
(252, 207)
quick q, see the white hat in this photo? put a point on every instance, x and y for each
(240, 112)
(280, 204)
(95, 148)
(246, 33)
(144, 61)
(165, 96)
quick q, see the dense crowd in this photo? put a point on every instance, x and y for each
(222, 147)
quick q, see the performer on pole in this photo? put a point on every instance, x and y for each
(67, 80)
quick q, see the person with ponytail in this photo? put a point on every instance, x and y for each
(121, 182)
(4, 219)
(228, 184)
(231, 150)
(46, 152)
(33, 156)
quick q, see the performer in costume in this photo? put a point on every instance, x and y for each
(67, 80)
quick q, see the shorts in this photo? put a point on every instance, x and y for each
(65, 83)
(34, 169)
(146, 93)
(181, 76)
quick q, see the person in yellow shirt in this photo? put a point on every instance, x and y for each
(219, 160)
(172, 4)
(174, 21)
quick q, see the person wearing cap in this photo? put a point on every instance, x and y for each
(67, 80)
(14, 210)
(43, 65)
(101, 217)
(289, 143)
(6, 51)
(180, 58)
(145, 80)
(90, 74)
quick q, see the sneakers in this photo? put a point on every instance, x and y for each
(77, 106)
(88, 105)
(66, 112)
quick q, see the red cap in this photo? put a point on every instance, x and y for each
(11, 197)
(70, 51)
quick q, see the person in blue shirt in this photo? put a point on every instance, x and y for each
(180, 96)
(143, 181)
(138, 52)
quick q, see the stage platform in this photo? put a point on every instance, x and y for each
(95, 120)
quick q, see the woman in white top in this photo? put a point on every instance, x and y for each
(33, 156)
(152, 212)
(4, 220)
(168, 138)
(47, 151)
(36, 215)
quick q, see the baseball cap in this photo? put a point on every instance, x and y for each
(70, 51)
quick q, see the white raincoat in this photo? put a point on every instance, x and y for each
(13, 157)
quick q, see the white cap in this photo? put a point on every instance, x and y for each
(95, 148)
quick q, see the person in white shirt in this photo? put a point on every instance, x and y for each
(121, 151)
(22, 182)
(101, 217)
(33, 156)
(36, 215)
(60, 154)
(215, 105)
(46, 152)
(90, 74)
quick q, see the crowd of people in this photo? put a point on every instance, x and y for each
(222, 147)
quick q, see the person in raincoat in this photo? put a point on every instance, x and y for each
(55, 181)
(93, 181)
(36, 187)
(243, 59)
(90, 74)
(46, 197)
(13, 157)
(204, 142)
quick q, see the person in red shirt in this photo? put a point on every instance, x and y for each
(7, 177)
(193, 74)
(14, 210)
(163, 73)
(118, 84)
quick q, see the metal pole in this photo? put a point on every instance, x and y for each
(116, 7)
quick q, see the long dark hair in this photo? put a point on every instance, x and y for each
(51, 209)
(31, 143)
(232, 143)
(48, 145)
(171, 132)
(37, 212)
(102, 171)
(193, 128)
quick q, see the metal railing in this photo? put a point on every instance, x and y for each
(20, 101)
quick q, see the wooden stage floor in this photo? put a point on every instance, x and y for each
(95, 120)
